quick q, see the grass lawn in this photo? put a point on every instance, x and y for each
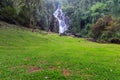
(25, 55)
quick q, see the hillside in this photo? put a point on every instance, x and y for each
(27, 55)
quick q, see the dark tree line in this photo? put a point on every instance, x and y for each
(88, 18)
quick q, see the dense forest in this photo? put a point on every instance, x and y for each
(95, 19)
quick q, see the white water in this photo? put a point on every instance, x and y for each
(60, 16)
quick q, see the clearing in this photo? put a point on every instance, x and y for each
(25, 55)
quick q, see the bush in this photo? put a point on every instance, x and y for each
(8, 14)
(106, 29)
(24, 16)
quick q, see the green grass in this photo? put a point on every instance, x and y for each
(38, 56)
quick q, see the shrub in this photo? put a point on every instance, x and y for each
(106, 29)
(23, 16)
(8, 14)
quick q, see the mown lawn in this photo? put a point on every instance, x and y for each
(25, 55)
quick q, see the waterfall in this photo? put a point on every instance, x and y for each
(60, 16)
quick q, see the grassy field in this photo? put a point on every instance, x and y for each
(25, 55)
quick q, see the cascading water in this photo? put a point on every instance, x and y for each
(60, 16)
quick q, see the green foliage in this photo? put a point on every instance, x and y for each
(107, 29)
(82, 13)
(115, 8)
(69, 10)
(4, 3)
(20, 12)
(7, 11)
(24, 16)
(98, 7)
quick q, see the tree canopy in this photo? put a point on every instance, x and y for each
(83, 14)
